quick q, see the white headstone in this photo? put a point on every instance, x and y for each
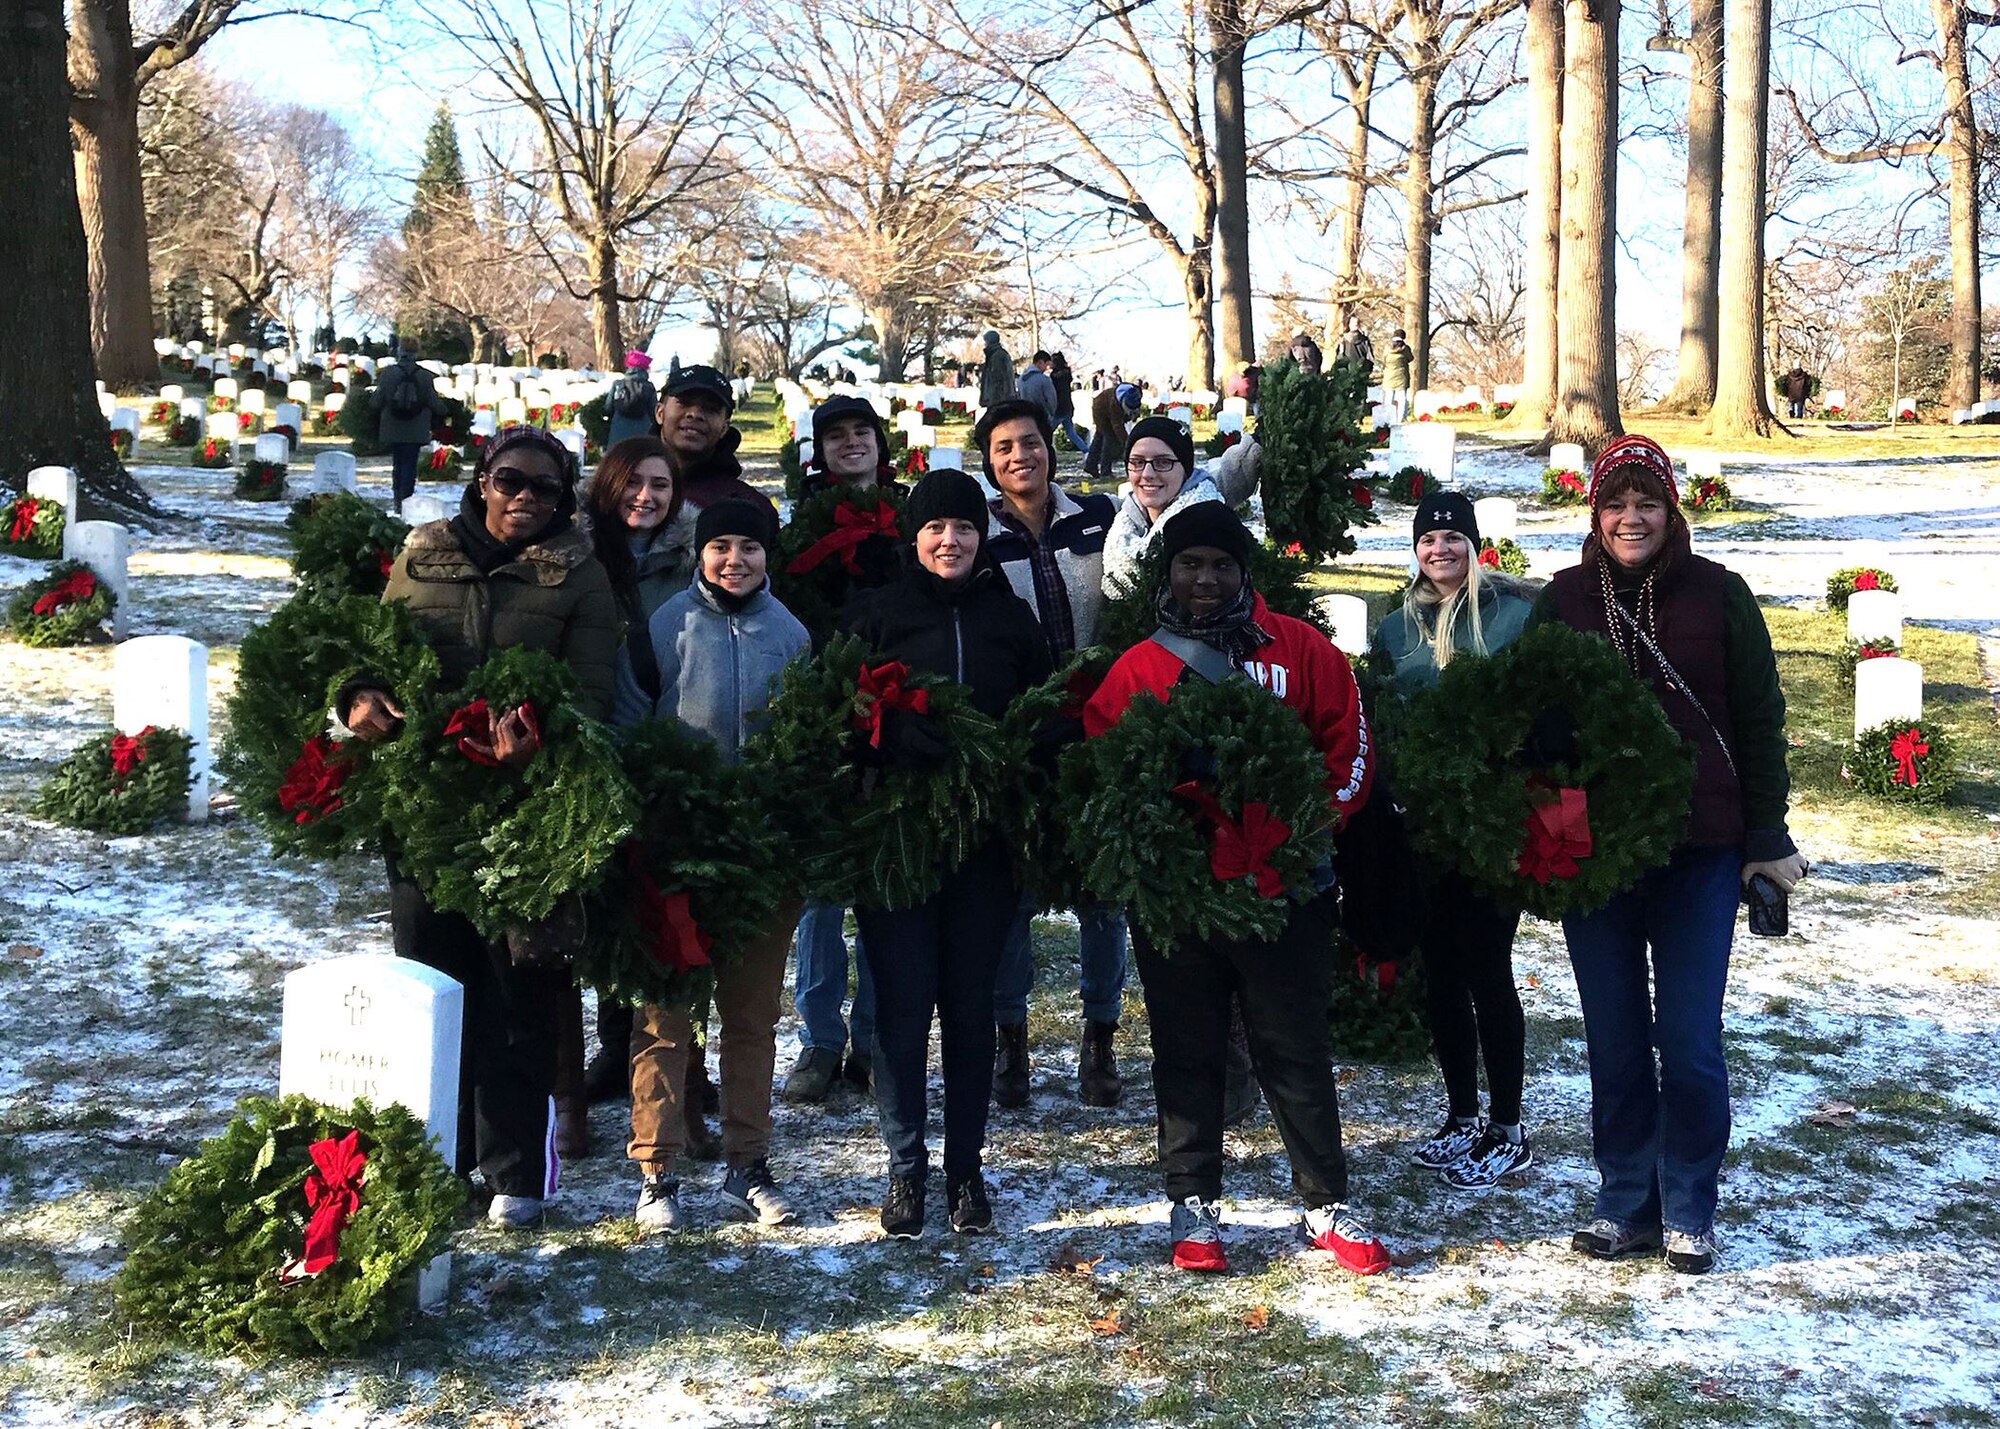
(290, 414)
(1183, 415)
(196, 408)
(1237, 406)
(1348, 615)
(226, 387)
(1887, 689)
(1431, 446)
(1875, 615)
(223, 427)
(1704, 464)
(126, 419)
(172, 392)
(805, 452)
(1497, 518)
(334, 471)
(923, 437)
(513, 412)
(104, 546)
(1425, 403)
(251, 401)
(1567, 456)
(106, 403)
(1229, 421)
(419, 509)
(484, 424)
(300, 392)
(574, 440)
(333, 402)
(163, 680)
(54, 483)
(1834, 400)
(909, 419)
(387, 1029)
(947, 459)
(272, 446)
(1906, 409)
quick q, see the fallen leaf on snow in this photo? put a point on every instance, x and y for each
(1068, 1260)
(1835, 1114)
(1534, 981)
(757, 1386)
(1258, 1317)
(23, 952)
(1112, 1324)
(1345, 1076)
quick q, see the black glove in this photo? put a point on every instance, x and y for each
(1047, 743)
(1551, 738)
(1197, 764)
(913, 740)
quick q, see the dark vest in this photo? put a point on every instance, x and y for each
(1689, 602)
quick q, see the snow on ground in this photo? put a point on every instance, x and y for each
(139, 998)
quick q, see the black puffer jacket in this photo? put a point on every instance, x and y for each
(979, 633)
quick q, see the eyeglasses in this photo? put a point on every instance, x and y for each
(1160, 464)
(510, 483)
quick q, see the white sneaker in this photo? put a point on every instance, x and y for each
(1692, 1254)
(515, 1212)
(659, 1206)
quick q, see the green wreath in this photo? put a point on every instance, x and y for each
(1384, 1027)
(498, 845)
(121, 784)
(1511, 812)
(1165, 855)
(311, 794)
(1849, 579)
(260, 480)
(1562, 487)
(1128, 615)
(183, 431)
(699, 880)
(213, 454)
(1707, 493)
(837, 543)
(1853, 652)
(67, 606)
(1030, 812)
(342, 544)
(867, 827)
(1504, 555)
(31, 527)
(210, 1242)
(1409, 485)
(792, 470)
(1906, 761)
(1315, 486)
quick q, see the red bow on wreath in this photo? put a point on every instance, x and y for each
(74, 587)
(1240, 847)
(128, 751)
(333, 1190)
(1570, 481)
(881, 687)
(383, 559)
(472, 726)
(678, 945)
(312, 785)
(1555, 836)
(1906, 748)
(1867, 580)
(1490, 558)
(25, 511)
(1363, 497)
(851, 527)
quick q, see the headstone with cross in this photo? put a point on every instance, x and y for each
(384, 1028)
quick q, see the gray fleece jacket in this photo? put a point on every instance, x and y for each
(718, 670)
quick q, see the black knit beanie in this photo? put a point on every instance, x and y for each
(835, 408)
(1165, 429)
(946, 496)
(1445, 511)
(1207, 523)
(735, 517)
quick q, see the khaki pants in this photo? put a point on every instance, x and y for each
(748, 995)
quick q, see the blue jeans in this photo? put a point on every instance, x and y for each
(403, 469)
(820, 982)
(1659, 1127)
(1076, 438)
(1100, 965)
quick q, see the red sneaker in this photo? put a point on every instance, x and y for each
(1195, 1227)
(1347, 1240)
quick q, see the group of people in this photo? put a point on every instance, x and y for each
(654, 587)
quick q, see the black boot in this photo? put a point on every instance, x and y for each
(1010, 1065)
(1097, 1079)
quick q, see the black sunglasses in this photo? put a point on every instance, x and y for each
(510, 483)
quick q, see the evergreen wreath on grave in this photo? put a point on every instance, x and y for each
(183, 431)
(870, 820)
(1381, 1021)
(1849, 579)
(1546, 774)
(1853, 652)
(215, 454)
(159, 414)
(1905, 761)
(505, 846)
(1561, 487)
(1707, 493)
(342, 544)
(695, 884)
(1281, 577)
(1315, 486)
(68, 605)
(1032, 817)
(1504, 556)
(1409, 485)
(122, 442)
(357, 421)
(301, 1228)
(839, 542)
(31, 527)
(260, 480)
(445, 464)
(594, 417)
(1220, 442)
(1202, 815)
(120, 784)
(313, 794)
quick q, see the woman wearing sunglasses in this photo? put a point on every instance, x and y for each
(510, 569)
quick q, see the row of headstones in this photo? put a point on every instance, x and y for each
(1977, 412)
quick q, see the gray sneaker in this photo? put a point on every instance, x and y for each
(1605, 1239)
(515, 1212)
(750, 1194)
(659, 1204)
(1692, 1254)
(812, 1075)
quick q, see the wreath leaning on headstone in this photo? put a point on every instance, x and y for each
(1315, 489)
(1849, 579)
(499, 845)
(1202, 815)
(1905, 761)
(300, 1228)
(837, 543)
(260, 480)
(121, 784)
(343, 544)
(698, 880)
(1504, 555)
(1546, 774)
(883, 777)
(31, 527)
(67, 606)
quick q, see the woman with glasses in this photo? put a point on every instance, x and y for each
(1162, 480)
(510, 569)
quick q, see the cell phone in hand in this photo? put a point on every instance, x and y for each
(1769, 908)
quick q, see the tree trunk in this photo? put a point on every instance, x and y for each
(104, 123)
(1232, 187)
(1200, 315)
(1701, 234)
(604, 317)
(1586, 407)
(1742, 406)
(1419, 225)
(892, 343)
(1541, 220)
(48, 399)
(1961, 146)
(1347, 285)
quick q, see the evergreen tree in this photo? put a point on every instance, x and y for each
(441, 181)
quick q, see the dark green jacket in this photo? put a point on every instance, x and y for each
(1504, 604)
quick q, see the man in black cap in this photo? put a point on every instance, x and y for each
(695, 407)
(850, 447)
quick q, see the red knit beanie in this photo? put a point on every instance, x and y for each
(1634, 451)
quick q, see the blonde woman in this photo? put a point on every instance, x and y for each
(1454, 609)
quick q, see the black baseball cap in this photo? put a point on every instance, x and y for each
(699, 378)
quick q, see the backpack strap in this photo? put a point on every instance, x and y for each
(1205, 660)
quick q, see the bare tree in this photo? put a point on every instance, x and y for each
(1701, 231)
(1742, 402)
(1586, 406)
(1541, 219)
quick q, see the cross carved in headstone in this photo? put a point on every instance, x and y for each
(356, 1003)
